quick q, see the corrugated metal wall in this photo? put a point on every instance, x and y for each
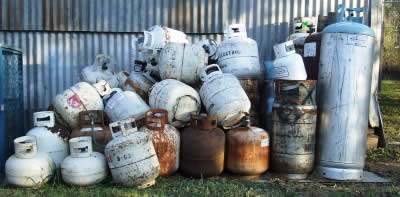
(59, 37)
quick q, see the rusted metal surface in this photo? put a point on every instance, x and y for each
(139, 82)
(131, 156)
(166, 140)
(222, 95)
(92, 124)
(251, 87)
(312, 51)
(293, 140)
(247, 150)
(177, 98)
(296, 92)
(202, 147)
(83, 167)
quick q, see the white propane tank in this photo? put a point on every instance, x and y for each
(80, 97)
(139, 82)
(27, 167)
(210, 47)
(102, 69)
(157, 37)
(182, 62)
(177, 98)
(125, 104)
(238, 54)
(223, 96)
(47, 141)
(83, 167)
(131, 156)
(288, 64)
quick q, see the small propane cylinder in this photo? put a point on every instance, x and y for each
(288, 64)
(83, 167)
(202, 147)
(27, 167)
(80, 97)
(344, 88)
(48, 141)
(166, 140)
(182, 62)
(247, 150)
(293, 139)
(312, 50)
(223, 96)
(120, 105)
(140, 82)
(250, 86)
(295, 92)
(157, 37)
(238, 54)
(92, 124)
(102, 69)
(177, 98)
(131, 156)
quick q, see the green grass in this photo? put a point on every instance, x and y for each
(384, 161)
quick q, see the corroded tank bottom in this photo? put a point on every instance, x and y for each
(340, 173)
(146, 185)
(291, 164)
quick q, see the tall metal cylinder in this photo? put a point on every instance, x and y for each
(344, 85)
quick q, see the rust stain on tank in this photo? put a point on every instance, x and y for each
(250, 86)
(297, 92)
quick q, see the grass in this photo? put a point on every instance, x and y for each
(383, 161)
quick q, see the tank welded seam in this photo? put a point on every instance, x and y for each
(175, 107)
(134, 162)
(80, 100)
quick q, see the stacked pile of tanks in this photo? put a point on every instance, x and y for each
(178, 111)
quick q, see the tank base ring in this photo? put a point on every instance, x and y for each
(340, 173)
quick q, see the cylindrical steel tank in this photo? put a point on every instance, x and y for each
(295, 92)
(223, 96)
(166, 140)
(202, 147)
(293, 139)
(121, 105)
(139, 82)
(288, 64)
(27, 167)
(92, 124)
(131, 156)
(83, 167)
(238, 54)
(343, 96)
(312, 51)
(182, 62)
(48, 141)
(177, 98)
(80, 97)
(247, 150)
(250, 86)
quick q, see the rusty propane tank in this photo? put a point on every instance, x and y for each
(92, 124)
(166, 140)
(202, 147)
(296, 92)
(250, 86)
(131, 156)
(293, 139)
(247, 150)
(223, 96)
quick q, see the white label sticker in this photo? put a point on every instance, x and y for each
(310, 49)
(281, 72)
(357, 40)
(264, 142)
(116, 98)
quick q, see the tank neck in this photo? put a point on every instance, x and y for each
(203, 121)
(25, 147)
(81, 147)
(44, 119)
(156, 119)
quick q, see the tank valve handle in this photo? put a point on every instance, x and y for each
(156, 119)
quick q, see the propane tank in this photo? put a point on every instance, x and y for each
(202, 147)
(131, 156)
(102, 69)
(343, 92)
(223, 96)
(293, 139)
(80, 97)
(27, 167)
(83, 167)
(182, 62)
(312, 49)
(166, 140)
(48, 141)
(210, 47)
(295, 92)
(288, 64)
(92, 124)
(238, 54)
(140, 82)
(250, 86)
(157, 37)
(121, 105)
(177, 98)
(247, 150)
